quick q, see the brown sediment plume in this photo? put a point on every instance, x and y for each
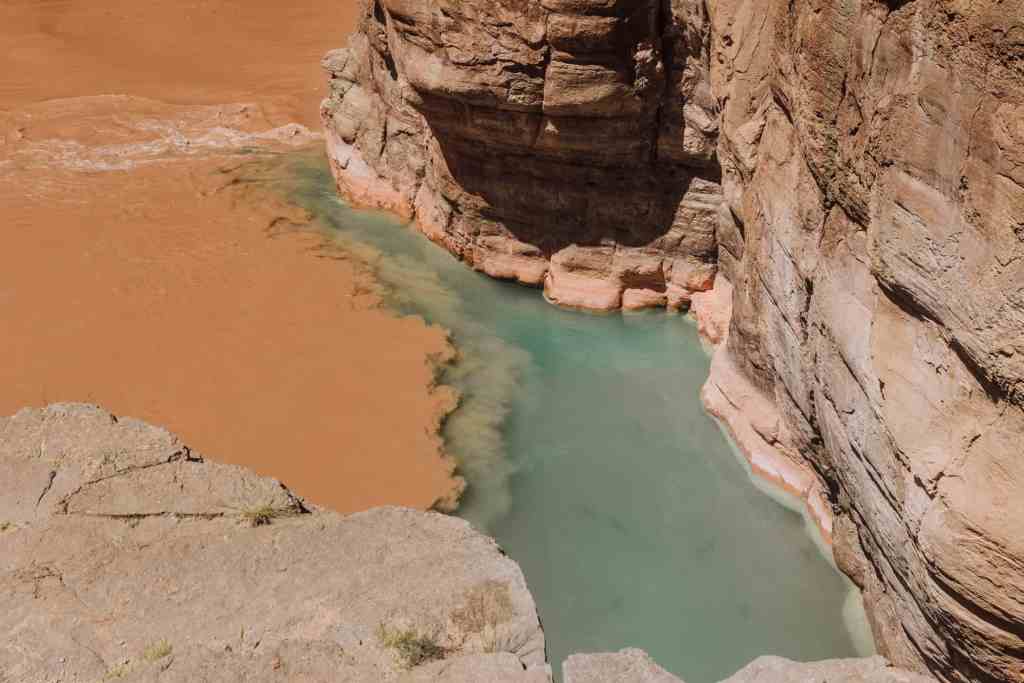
(150, 265)
(190, 52)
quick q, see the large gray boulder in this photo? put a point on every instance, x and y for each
(124, 555)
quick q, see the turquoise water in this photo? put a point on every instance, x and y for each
(591, 460)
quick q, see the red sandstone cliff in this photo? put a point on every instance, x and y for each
(855, 173)
(548, 143)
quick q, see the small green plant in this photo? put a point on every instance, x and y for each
(411, 647)
(263, 515)
(157, 651)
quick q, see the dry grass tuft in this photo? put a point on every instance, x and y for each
(411, 647)
(157, 651)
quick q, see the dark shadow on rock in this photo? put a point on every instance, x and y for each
(555, 182)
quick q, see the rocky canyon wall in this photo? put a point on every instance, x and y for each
(853, 171)
(567, 144)
(873, 188)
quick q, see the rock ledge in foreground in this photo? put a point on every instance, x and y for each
(126, 556)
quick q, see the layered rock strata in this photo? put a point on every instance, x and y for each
(871, 157)
(125, 556)
(566, 144)
(852, 171)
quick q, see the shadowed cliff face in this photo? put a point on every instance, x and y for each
(563, 143)
(853, 169)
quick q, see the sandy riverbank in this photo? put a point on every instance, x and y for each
(148, 267)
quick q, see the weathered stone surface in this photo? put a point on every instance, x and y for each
(611, 667)
(779, 670)
(123, 553)
(502, 667)
(636, 666)
(878, 299)
(523, 133)
(852, 170)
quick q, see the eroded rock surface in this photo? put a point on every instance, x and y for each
(871, 157)
(779, 670)
(126, 556)
(635, 666)
(609, 667)
(853, 173)
(566, 144)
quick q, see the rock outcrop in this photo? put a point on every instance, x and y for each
(125, 555)
(609, 667)
(636, 667)
(566, 144)
(852, 171)
(868, 670)
(872, 172)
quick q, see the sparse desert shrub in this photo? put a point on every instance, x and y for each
(157, 651)
(264, 515)
(487, 606)
(412, 647)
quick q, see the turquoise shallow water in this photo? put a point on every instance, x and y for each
(592, 462)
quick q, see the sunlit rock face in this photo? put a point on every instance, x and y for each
(562, 143)
(853, 171)
(872, 169)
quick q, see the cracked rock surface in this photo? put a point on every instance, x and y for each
(125, 555)
(872, 174)
(868, 670)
